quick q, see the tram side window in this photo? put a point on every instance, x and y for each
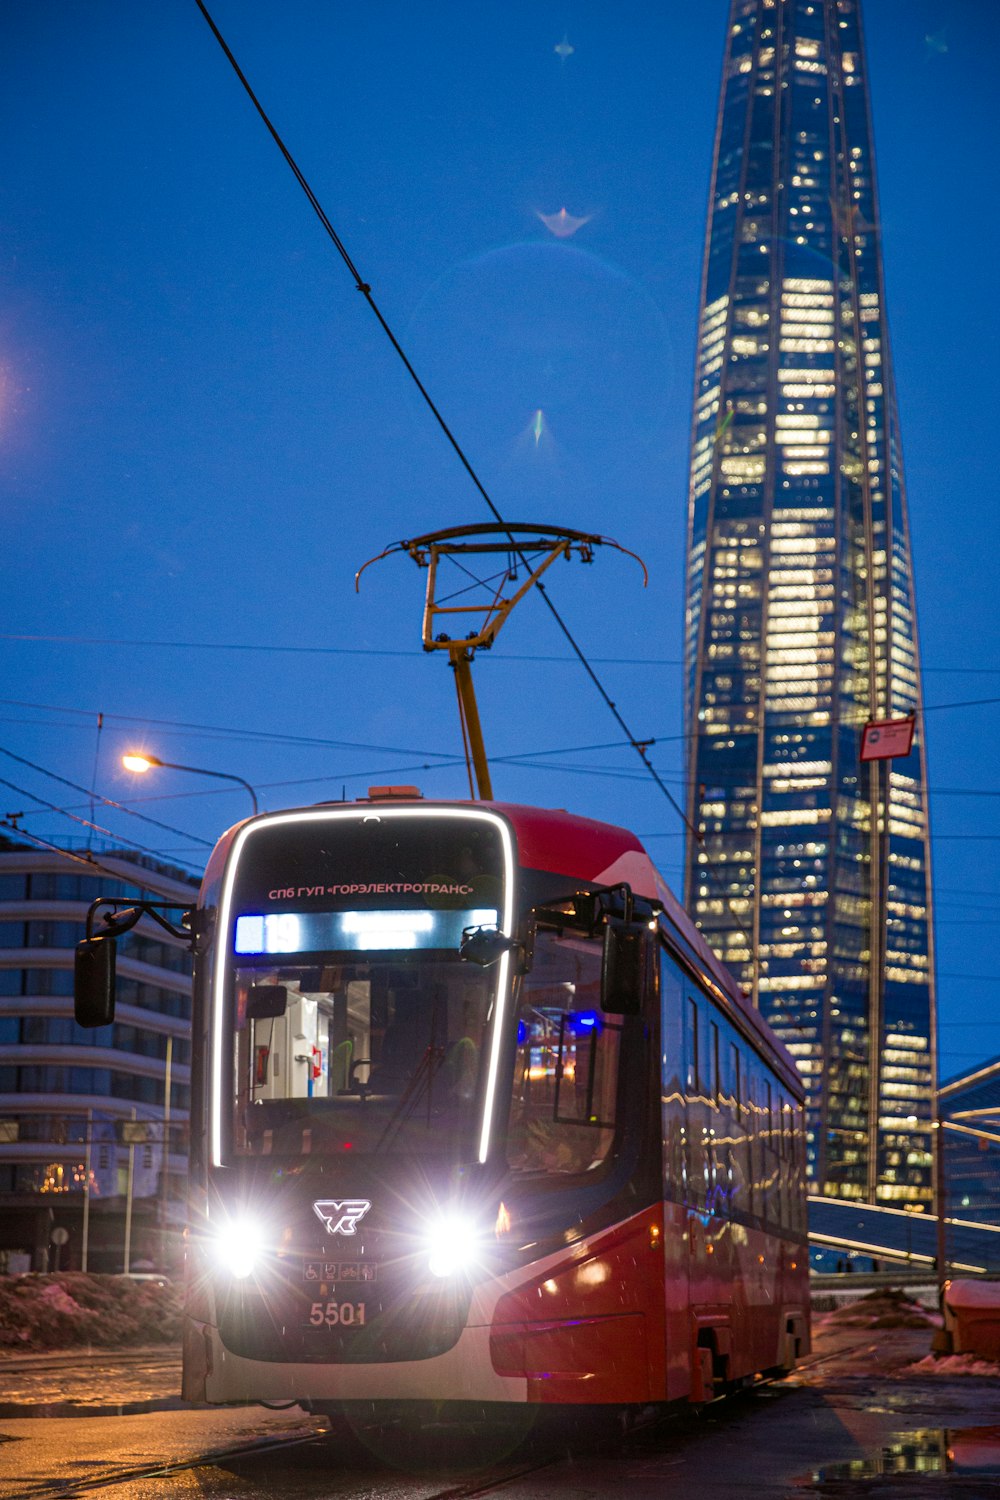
(714, 1083)
(722, 1125)
(565, 1091)
(769, 1158)
(673, 1009)
(729, 1167)
(766, 1154)
(697, 1109)
(760, 1144)
(715, 1150)
(787, 1168)
(754, 1194)
(691, 1058)
(744, 1133)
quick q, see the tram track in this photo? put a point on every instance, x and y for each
(483, 1483)
(484, 1486)
(488, 1480)
(94, 1483)
(142, 1359)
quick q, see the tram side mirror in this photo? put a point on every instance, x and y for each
(623, 965)
(483, 946)
(94, 982)
(266, 1001)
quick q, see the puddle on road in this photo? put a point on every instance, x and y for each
(929, 1450)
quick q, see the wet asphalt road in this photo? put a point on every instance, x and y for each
(859, 1422)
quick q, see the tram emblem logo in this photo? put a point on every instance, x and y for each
(341, 1215)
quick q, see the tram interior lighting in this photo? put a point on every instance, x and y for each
(239, 1246)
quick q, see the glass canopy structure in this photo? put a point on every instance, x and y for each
(810, 875)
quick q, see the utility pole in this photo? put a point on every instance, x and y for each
(85, 1248)
(165, 1157)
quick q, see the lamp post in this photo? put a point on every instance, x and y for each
(140, 764)
(941, 1196)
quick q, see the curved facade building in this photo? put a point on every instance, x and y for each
(65, 1092)
(811, 875)
(970, 1105)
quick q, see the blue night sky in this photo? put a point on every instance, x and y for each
(204, 432)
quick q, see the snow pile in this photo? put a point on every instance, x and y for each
(70, 1309)
(884, 1308)
(954, 1364)
(58, 1299)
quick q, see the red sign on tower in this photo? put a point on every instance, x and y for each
(885, 738)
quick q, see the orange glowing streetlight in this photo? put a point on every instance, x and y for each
(140, 762)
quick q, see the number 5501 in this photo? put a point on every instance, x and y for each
(336, 1314)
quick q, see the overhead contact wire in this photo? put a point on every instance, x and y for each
(106, 801)
(365, 289)
(65, 812)
(87, 859)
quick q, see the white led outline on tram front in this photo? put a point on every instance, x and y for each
(222, 956)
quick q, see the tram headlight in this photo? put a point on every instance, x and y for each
(239, 1246)
(453, 1246)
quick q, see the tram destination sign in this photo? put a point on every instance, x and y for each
(378, 930)
(434, 889)
(371, 862)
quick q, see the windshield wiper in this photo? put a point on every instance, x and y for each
(421, 1082)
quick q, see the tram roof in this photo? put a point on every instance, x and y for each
(559, 842)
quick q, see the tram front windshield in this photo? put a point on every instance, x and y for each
(356, 1028)
(382, 1055)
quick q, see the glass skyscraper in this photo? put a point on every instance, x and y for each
(811, 873)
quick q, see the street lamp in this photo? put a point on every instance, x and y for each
(140, 764)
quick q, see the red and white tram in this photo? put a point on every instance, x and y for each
(478, 1117)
